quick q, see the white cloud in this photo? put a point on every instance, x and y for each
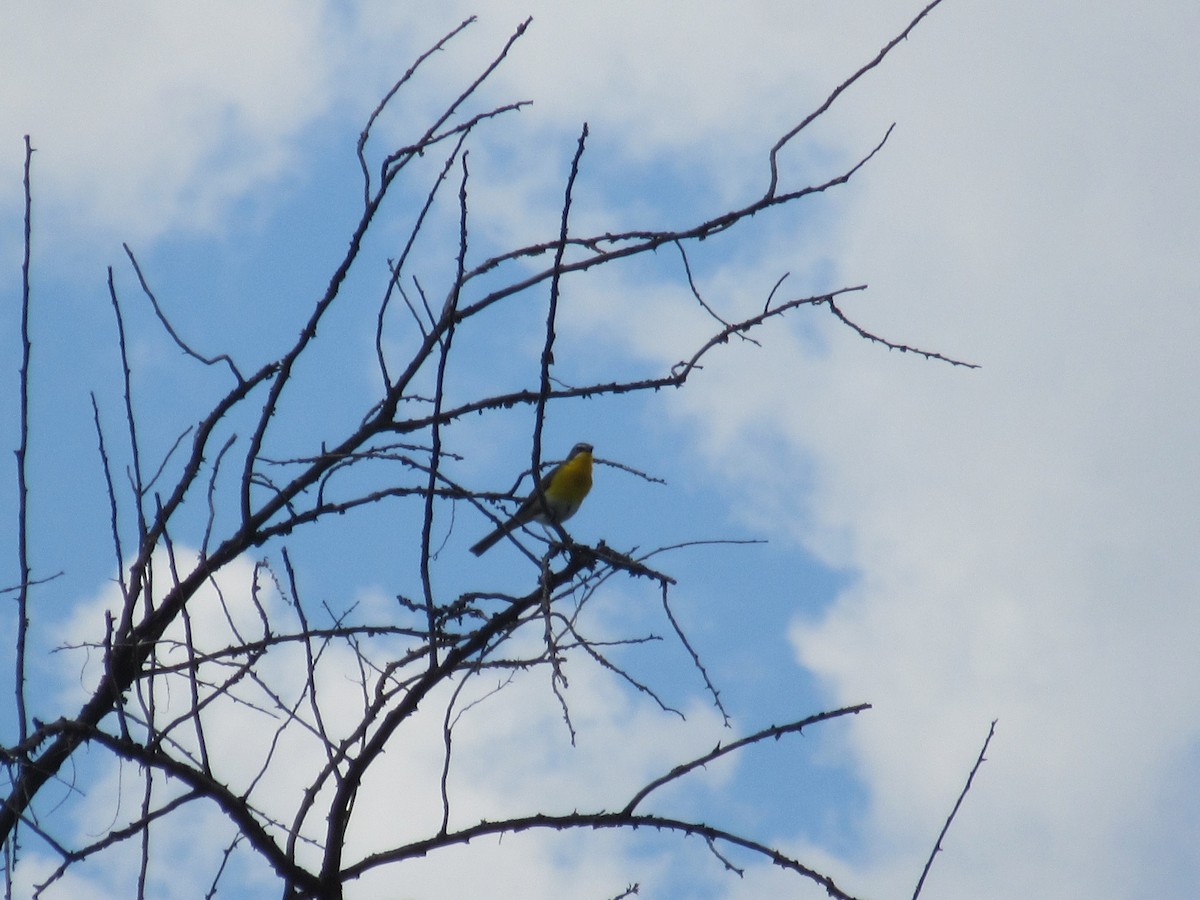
(1025, 535)
(152, 117)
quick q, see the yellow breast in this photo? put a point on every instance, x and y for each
(570, 484)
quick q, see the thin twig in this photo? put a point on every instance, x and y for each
(687, 270)
(435, 450)
(398, 266)
(547, 358)
(26, 571)
(591, 822)
(395, 161)
(837, 92)
(892, 345)
(937, 845)
(139, 490)
(360, 149)
(774, 731)
(166, 324)
(712, 688)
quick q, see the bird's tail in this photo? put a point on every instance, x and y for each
(489, 541)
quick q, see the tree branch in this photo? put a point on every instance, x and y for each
(774, 731)
(591, 821)
(937, 845)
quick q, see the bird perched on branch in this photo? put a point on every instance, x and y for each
(564, 488)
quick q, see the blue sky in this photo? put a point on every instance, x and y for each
(1015, 542)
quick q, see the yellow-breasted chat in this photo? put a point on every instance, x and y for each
(564, 488)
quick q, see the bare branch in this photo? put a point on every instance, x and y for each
(937, 845)
(435, 461)
(547, 357)
(26, 572)
(837, 92)
(398, 265)
(635, 243)
(774, 731)
(712, 689)
(130, 422)
(591, 821)
(387, 98)
(903, 348)
(179, 342)
(398, 159)
(687, 268)
(234, 807)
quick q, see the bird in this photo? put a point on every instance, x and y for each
(564, 488)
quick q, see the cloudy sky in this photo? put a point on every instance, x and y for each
(1017, 542)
